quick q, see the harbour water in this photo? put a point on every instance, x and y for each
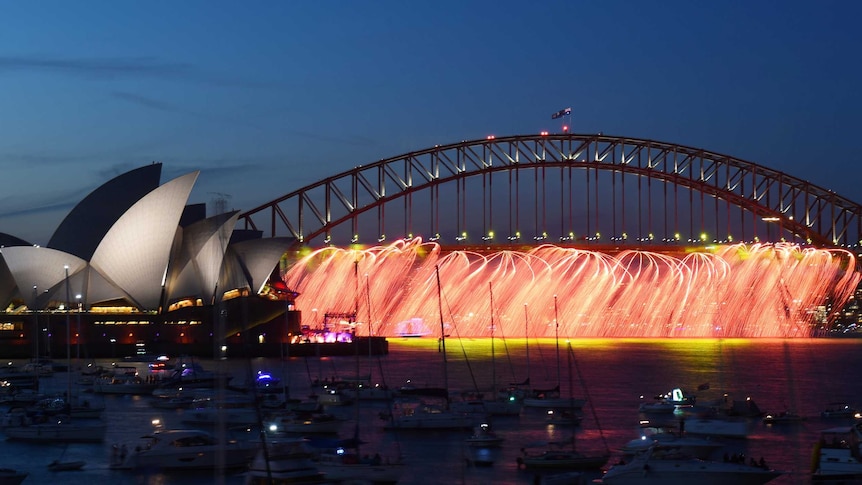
(615, 376)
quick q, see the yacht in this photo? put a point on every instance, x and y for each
(652, 438)
(229, 410)
(278, 424)
(560, 456)
(670, 468)
(840, 410)
(667, 403)
(183, 449)
(287, 461)
(550, 398)
(838, 456)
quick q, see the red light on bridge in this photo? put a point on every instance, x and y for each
(565, 129)
(490, 137)
(544, 133)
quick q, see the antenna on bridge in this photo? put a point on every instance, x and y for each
(219, 202)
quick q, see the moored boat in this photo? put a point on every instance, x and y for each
(183, 449)
(655, 467)
(837, 455)
(10, 476)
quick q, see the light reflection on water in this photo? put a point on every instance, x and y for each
(800, 375)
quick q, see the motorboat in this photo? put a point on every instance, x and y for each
(342, 466)
(559, 456)
(695, 446)
(53, 429)
(476, 403)
(840, 410)
(183, 449)
(79, 408)
(124, 384)
(483, 436)
(10, 476)
(837, 455)
(283, 461)
(672, 468)
(667, 403)
(783, 417)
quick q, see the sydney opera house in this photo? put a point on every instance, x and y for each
(134, 268)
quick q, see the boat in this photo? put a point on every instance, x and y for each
(550, 398)
(183, 449)
(341, 465)
(10, 476)
(667, 403)
(783, 417)
(558, 455)
(64, 466)
(278, 424)
(124, 384)
(837, 455)
(840, 410)
(230, 410)
(484, 436)
(657, 437)
(672, 468)
(53, 429)
(411, 414)
(563, 454)
(283, 461)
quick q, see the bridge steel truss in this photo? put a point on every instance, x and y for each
(714, 188)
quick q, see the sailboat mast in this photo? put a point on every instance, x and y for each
(68, 345)
(493, 362)
(527, 338)
(442, 332)
(557, 338)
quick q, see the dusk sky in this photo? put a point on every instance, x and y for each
(267, 97)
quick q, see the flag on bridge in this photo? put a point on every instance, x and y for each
(561, 113)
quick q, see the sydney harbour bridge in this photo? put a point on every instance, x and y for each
(577, 235)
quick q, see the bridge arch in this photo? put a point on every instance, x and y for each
(587, 192)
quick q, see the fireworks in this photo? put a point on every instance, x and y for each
(762, 290)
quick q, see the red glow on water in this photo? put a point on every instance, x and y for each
(762, 290)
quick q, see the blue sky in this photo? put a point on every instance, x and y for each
(266, 97)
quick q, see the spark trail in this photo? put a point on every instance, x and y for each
(761, 290)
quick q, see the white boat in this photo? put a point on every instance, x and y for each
(837, 455)
(783, 417)
(54, 429)
(716, 427)
(283, 462)
(697, 447)
(676, 469)
(183, 449)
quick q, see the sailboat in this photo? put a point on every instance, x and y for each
(59, 428)
(550, 398)
(562, 454)
(424, 415)
(503, 402)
